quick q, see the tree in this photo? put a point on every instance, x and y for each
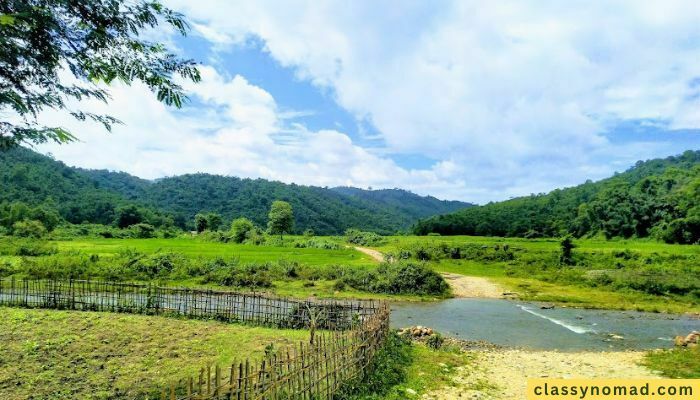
(280, 218)
(241, 229)
(213, 221)
(98, 42)
(200, 223)
(567, 246)
(128, 215)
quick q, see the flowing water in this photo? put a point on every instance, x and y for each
(527, 325)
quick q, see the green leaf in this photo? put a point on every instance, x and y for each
(7, 19)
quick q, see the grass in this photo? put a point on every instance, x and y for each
(205, 249)
(543, 285)
(683, 363)
(430, 369)
(70, 354)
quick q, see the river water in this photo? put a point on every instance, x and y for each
(527, 325)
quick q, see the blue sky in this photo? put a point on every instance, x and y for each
(471, 101)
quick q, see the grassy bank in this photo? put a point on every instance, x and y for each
(71, 354)
(675, 363)
(333, 271)
(616, 274)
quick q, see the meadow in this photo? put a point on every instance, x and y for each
(637, 274)
(53, 354)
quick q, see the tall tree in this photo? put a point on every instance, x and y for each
(201, 223)
(280, 218)
(98, 41)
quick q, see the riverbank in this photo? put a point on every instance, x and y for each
(501, 374)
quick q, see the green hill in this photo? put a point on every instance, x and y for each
(659, 198)
(95, 195)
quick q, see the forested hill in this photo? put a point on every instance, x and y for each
(81, 195)
(659, 198)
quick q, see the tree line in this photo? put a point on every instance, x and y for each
(659, 198)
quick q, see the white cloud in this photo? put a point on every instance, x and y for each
(234, 132)
(510, 97)
(505, 85)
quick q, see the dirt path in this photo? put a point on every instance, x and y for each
(472, 286)
(462, 286)
(502, 374)
(377, 255)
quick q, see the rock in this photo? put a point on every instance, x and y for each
(547, 306)
(411, 392)
(691, 340)
(616, 337)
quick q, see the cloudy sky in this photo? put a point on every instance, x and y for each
(471, 100)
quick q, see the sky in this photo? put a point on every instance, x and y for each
(465, 100)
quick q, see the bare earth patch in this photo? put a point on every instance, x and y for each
(502, 374)
(472, 286)
(376, 255)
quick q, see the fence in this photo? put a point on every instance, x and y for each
(351, 333)
(257, 309)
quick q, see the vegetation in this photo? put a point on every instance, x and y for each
(50, 354)
(78, 196)
(682, 363)
(628, 274)
(98, 42)
(280, 218)
(658, 198)
(303, 268)
(405, 369)
(358, 237)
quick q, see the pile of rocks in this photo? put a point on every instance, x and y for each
(692, 340)
(416, 331)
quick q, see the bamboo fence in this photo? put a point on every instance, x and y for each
(350, 333)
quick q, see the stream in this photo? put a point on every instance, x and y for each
(527, 325)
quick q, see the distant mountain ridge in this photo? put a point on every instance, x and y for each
(658, 198)
(94, 195)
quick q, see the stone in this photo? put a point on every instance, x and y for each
(679, 341)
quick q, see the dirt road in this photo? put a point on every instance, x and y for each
(462, 286)
(472, 286)
(502, 374)
(377, 255)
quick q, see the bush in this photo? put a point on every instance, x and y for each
(358, 237)
(29, 229)
(241, 229)
(386, 370)
(142, 231)
(403, 278)
(233, 274)
(27, 248)
(435, 341)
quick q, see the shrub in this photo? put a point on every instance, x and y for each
(404, 278)
(240, 229)
(435, 341)
(233, 274)
(142, 231)
(361, 238)
(29, 229)
(27, 248)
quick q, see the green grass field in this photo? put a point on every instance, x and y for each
(532, 272)
(678, 264)
(203, 249)
(51, 355)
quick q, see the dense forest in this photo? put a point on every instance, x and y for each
(34, 185)
(658, 198)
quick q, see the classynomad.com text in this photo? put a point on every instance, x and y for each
(613, 389)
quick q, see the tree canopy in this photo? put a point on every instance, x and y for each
(659, 198)
(281, 218)
(98, 42)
